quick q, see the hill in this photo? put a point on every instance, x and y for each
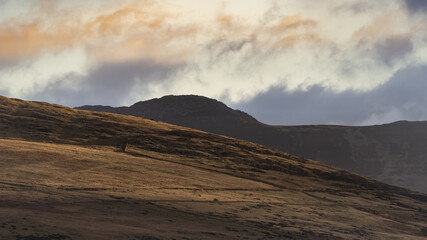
(392, 153)
(191, 111)
(73, 174)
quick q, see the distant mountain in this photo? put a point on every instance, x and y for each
(394, 153)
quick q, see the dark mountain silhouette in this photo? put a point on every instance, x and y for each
(395, 153)
(192, 111)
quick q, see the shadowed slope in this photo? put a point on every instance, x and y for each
(191, 111)
(63, 176)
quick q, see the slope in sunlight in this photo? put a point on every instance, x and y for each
(63, 176)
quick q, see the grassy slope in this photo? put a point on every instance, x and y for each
(61, 173)
(391, 153)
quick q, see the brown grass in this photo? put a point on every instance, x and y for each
(62, 177)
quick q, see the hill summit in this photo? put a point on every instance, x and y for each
(187, 110)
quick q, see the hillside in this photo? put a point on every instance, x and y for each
(392, 153)
(64, 175)
(190, 111)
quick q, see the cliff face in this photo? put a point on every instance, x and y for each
(394, 153)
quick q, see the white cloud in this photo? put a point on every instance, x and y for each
(34, 75)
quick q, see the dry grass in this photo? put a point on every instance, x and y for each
(62, 177)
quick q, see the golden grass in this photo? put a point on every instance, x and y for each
(61, 172)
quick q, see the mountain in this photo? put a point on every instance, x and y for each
(74, 174)
(393, 153)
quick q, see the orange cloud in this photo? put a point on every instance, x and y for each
(140, 29)
(143, 20)
(26, 40)
(293, 22)
(291, 30)
(382, 26)
(225, 20)
(173, 47)
(135, 15)
(294, 39)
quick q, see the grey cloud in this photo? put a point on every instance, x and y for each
(416, 5)
(235, 46)
(393, 48)
(7, 63)
(402, 97)
(223, 50)
(3, 92)
(316, 105)
(355, 8)
(108, 84)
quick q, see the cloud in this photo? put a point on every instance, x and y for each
(123, 50)
(401, 98)
(353, 7)
(272, 33)
(139, 25)
(292, 22)
(109, 84)
(20, 79)
(394, 48)
(416, 5)
(294, 29)
(379, 27)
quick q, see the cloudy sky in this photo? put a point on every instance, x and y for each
(354, 62)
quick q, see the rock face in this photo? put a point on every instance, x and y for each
(394, 153)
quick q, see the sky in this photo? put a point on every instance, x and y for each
(286, 62)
